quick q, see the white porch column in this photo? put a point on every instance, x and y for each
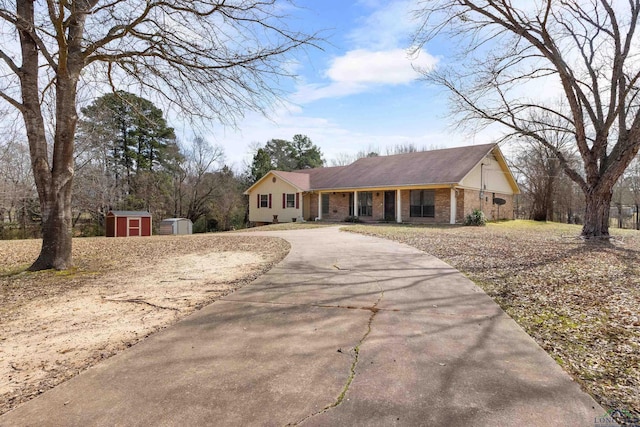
(302, 207)
(452, 220)
(398, 206)
(355, 203)
(319, 205)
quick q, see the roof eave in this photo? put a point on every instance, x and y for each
(390, 186)
(274, 172)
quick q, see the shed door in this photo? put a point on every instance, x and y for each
(134, 226)
(121, 226)
(146, 227)
(111, 226)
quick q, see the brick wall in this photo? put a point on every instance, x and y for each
(378, 207)
(460, 194)
(466, 201)
(505, 211)
(472, 201)
(338, 207)
(312, 203)
(442, 208)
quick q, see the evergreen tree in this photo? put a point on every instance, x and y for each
(305, 154)
(128, 137)
(260, 166)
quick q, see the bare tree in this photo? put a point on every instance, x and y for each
(16, 182)
(342, 159)
(202, 161)
(402, 149)
(539, 168)
(514, 50)
(211, 58)
(633, 181)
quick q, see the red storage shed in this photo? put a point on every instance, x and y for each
(128, 224)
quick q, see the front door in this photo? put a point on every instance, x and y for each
(389, 205)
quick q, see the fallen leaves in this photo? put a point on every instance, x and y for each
(54, 324)
(580, 300)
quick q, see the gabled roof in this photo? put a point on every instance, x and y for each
(175, 219)
(437, 167)
(129, 213)
(298, 180)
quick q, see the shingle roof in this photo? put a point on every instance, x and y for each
(299, 180)
(130, 213)
(447, 166)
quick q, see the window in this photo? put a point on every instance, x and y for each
(365, 203)
(325, 203)
(291, 200)
(423, 203)
(264, 200)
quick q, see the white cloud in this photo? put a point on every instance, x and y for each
(387, 27)
(359, 70)
(378, 67)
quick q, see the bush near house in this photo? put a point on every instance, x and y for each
(476, 218)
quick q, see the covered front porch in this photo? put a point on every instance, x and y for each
(413, 205)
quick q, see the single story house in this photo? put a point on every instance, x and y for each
(438, 186)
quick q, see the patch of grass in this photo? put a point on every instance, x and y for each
(580, 300)
(8, 271)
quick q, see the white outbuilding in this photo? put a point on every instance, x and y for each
(175, 226)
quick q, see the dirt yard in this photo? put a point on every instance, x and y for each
(54, 325)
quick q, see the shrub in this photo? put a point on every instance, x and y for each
(476, 218)
(353, 219)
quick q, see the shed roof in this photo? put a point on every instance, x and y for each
(175, 219)
(130, 213)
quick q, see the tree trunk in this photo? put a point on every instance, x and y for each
(56, 232)
(596, 219)
(53, 180)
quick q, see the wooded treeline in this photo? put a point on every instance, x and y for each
(127, 158)
(548, 194)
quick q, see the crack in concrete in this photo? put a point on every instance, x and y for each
(352, 370)
(373, 308)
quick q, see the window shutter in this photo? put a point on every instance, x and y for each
(269, 200)
(284, 200)
(258, 201)
(297, 200)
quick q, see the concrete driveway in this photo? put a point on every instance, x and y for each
(347, 330)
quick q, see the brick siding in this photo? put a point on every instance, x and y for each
(466, 201)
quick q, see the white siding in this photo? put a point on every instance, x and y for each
(494, 179)
(276, 189)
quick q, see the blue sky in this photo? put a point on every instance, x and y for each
(359, 93)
